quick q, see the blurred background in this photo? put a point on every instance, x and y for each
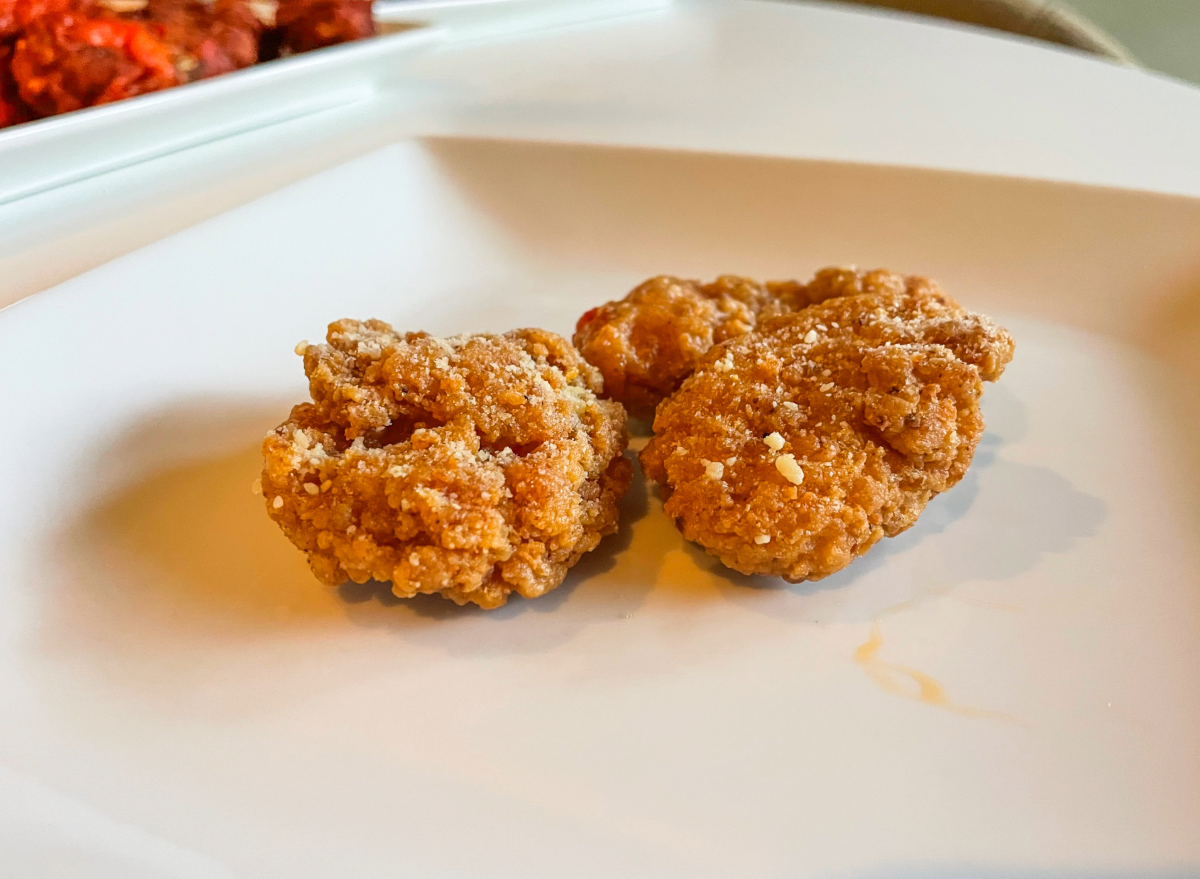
(1162, 35)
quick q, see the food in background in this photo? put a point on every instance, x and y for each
(304, 25)
(62, 55)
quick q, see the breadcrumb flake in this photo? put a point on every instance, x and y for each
(789, 469)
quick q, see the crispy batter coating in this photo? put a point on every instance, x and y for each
(313, 24)
(793, 449)
(473, 467)
(646, 344)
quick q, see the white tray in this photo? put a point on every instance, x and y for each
(490, 19)
(39, 155)
(179, 697)
(51, 152)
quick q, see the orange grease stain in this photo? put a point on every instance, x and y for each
(898, 679)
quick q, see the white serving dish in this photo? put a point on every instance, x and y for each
(490, 19)
(40, 155)
(47, 153)
(178, 697)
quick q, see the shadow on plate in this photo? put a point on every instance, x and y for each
(1004, 536)
(176, 578)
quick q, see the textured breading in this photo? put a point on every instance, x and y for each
(647, 343)
(793, 449)
(474, 467)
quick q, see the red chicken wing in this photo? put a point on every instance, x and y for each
(313, 24)
(12, 108)
(86, 56)
(208, 39)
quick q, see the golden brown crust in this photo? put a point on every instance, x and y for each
(473, 467)
(792, 450)
(646, 344)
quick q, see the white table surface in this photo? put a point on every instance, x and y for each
(792, 79)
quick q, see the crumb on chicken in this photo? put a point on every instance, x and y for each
(473, 467)
(837, 422)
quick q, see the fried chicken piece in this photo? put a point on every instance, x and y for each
(85, 56)
(15, 15)
(793, 449)
(12, 109)
(207, 39)
(473, 467)
(304, 25)
(646, 344)
(10, 27)
(73, 55)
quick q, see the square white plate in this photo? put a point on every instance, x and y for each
(179, 697)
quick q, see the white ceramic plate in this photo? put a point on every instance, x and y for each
(1011, 688)
(51, 152)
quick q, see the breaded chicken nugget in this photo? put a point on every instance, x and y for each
(473, 467)
(646, 344)
(793, 449)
